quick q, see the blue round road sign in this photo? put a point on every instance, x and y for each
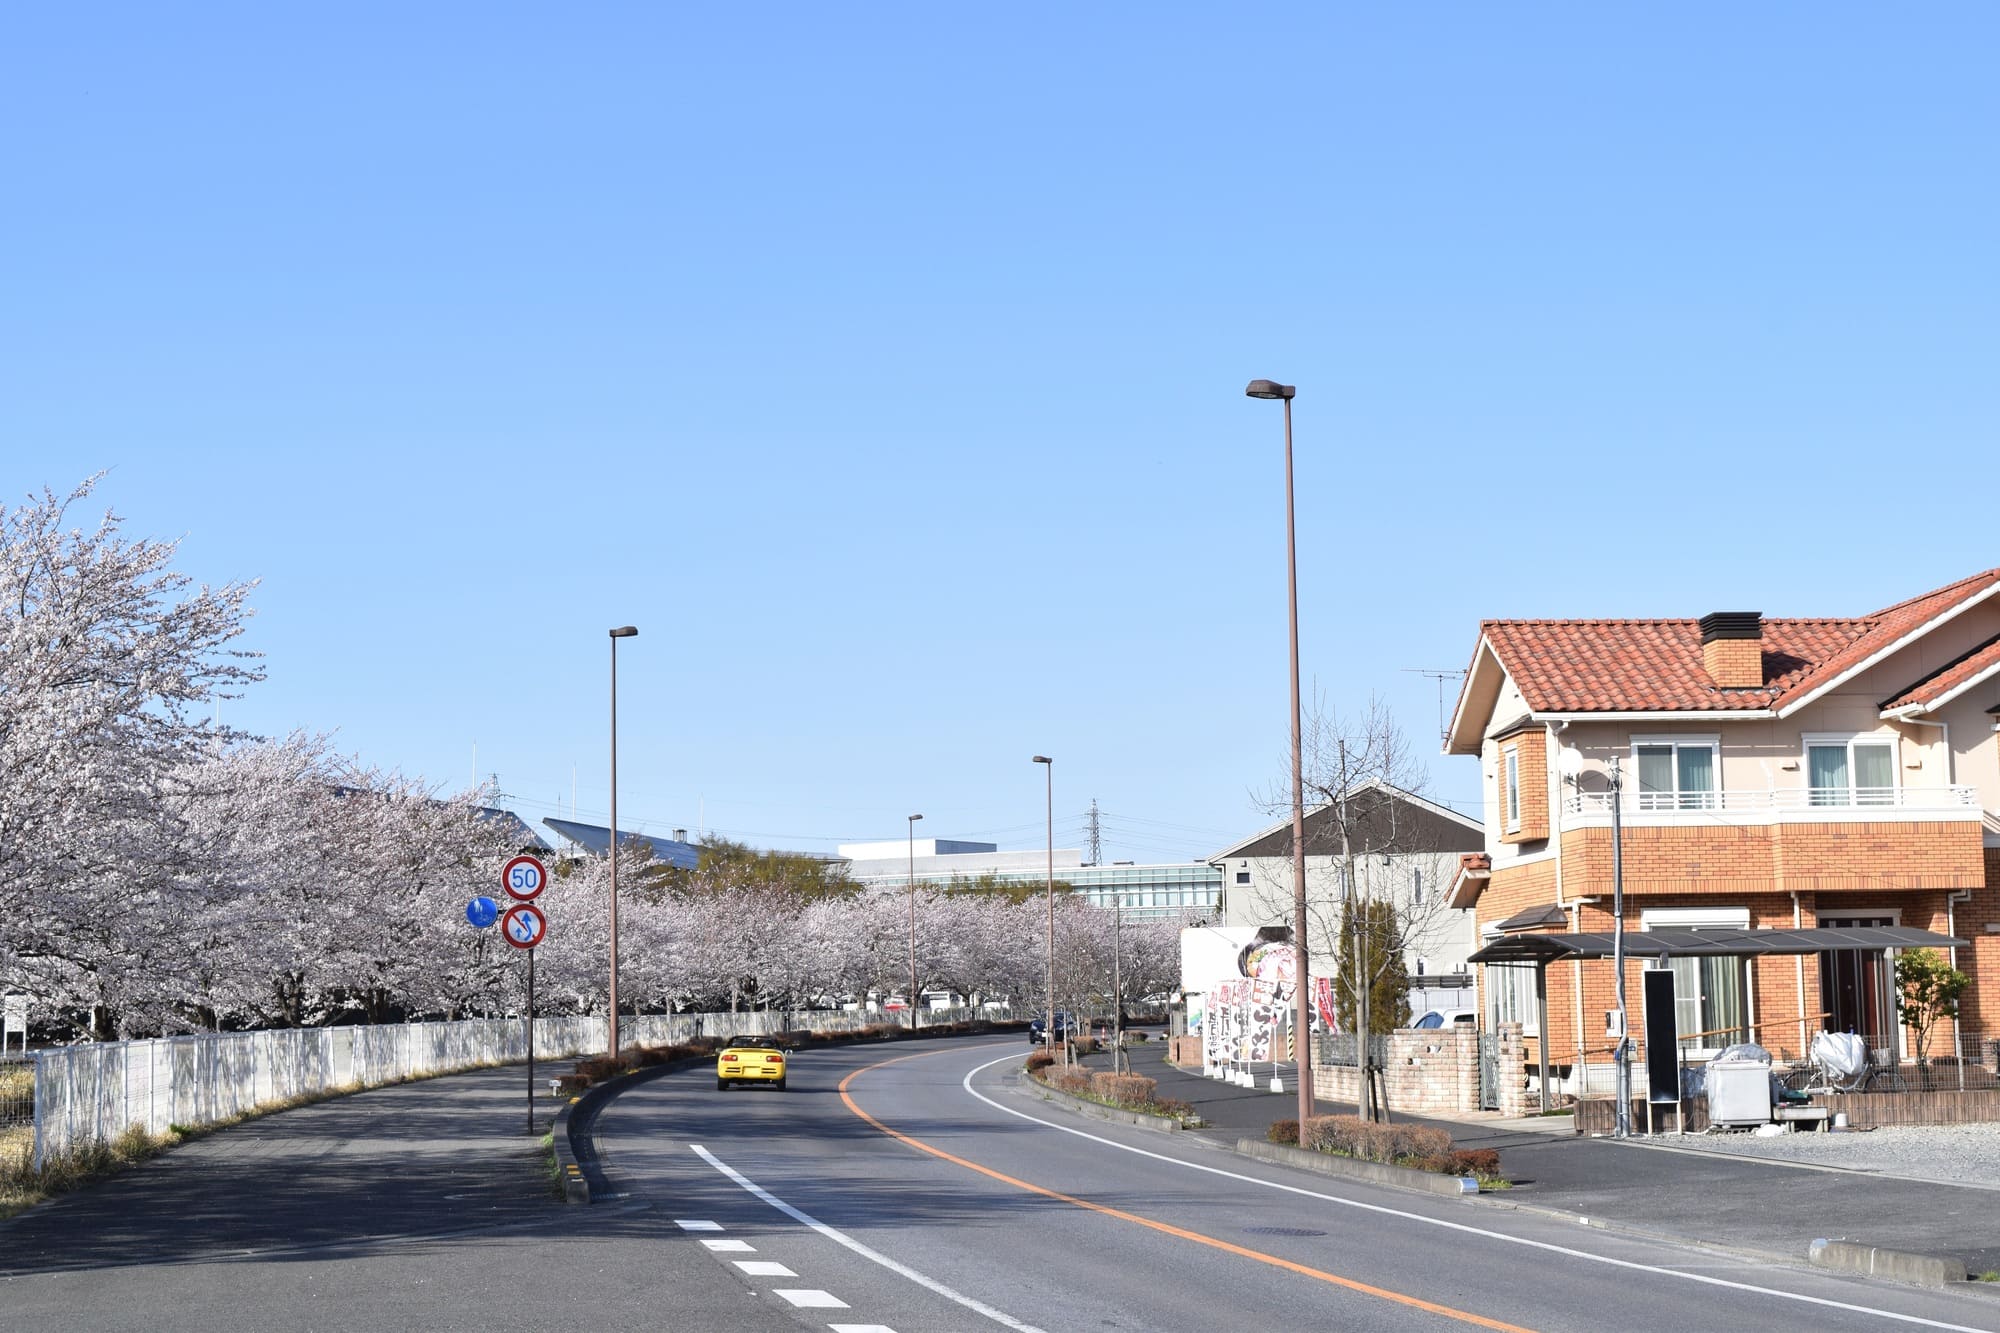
(482, 912)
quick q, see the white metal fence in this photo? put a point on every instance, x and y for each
(94, 1093)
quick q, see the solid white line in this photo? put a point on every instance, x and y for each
(874, 1256)
(1551, 1248)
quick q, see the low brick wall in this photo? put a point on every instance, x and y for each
(1427, 1070)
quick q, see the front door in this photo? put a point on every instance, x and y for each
(1854, 986)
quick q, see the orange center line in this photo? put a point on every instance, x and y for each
(1303, 1270)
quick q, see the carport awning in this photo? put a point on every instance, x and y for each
(1536, 947)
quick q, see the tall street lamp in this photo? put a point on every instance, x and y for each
(1049, 770)
(913, 921)
(1302, 1019)
(622, 632)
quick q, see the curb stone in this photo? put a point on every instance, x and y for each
(1923, 1270)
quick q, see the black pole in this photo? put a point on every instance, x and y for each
(531, 1041)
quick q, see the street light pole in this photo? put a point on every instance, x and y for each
(622, 632)
(913, 921)
(1302, 1018)
(1049, 1029)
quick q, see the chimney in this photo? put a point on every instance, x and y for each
(1732, 649)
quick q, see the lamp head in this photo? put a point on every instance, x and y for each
(915, 818)
(1043, 759)
(624, 631)
(1270, 389)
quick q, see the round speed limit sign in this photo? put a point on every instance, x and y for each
(524, 926)
(524, 878)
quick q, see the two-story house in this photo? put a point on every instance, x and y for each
(1771, 774)
(1404, 850)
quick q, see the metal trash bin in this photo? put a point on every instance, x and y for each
(1739, 1086)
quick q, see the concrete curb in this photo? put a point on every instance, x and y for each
(1353, 1168)
(1117, 1115)
(576, 1152)
(1921, 1270)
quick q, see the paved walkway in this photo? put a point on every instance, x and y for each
(426, 1205)
(1667, 1186)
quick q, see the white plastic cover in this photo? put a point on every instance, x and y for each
(1844, 1055)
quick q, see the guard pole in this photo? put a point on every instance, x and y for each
(531, 1042)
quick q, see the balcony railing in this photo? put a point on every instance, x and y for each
(1779, 799)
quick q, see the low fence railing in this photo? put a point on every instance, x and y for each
(58, 1099)
(1951, 1062)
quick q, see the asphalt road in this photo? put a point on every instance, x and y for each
(919, 1188)
(426, 1207)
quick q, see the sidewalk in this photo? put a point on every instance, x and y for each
(1666, 1186)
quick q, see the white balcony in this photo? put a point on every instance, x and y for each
(1761, 805)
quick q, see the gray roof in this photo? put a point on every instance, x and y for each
(1381, 818)
(596, 839)
(518, 831)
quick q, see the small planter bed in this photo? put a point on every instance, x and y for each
(1415, 1147)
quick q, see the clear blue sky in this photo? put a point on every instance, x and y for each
(884, 365)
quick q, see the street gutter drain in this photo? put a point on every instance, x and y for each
(1282, 1231)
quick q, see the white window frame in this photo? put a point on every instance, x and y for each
(1510, 770)
(1707, 918)
(1850, 739)
(1712, 742)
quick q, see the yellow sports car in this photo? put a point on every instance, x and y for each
(749, 1060)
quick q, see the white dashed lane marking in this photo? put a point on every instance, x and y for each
(763, 1268)
(810, 1298)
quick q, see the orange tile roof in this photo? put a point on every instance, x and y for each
(1646, 666)
(1950, 676)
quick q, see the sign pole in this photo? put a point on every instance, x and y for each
(531, 1041)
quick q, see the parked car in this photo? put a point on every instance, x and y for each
(749, 1060)
(1039, 1023)
(1448, 1018)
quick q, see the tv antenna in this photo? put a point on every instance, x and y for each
(1440, 675)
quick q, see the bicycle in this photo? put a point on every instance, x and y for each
(1840, 1062)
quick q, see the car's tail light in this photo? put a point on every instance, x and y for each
(729, 1059)
(774, 1059)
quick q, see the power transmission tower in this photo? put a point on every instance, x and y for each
(1092, 835)
(1440, 676)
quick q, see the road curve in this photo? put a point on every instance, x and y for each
(914, 1187)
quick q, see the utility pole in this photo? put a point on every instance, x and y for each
(1623, 1049)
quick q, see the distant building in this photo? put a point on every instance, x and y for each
(595, 840)
(1154, 890)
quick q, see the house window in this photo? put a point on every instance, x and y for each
(1242, 877)
(1850, 771)
(1510, 996)
(1416, 888)
(1708, 991)
(1676, 773)
(1513, 790)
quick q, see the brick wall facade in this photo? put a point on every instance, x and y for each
(1531, 751)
